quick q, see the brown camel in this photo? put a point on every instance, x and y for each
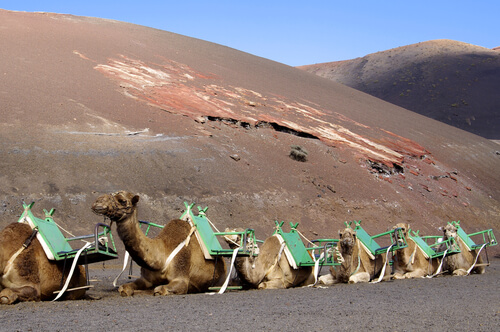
(25, 272)
(356, 264)
(185, 271)
(270, 269)
(410, 262)
(460, 263)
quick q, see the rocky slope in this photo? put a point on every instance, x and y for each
(92, 106)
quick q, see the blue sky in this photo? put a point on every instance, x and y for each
(299, 32)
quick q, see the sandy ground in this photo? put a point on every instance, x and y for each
(444, 303)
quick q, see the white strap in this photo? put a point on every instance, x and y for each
(223, 288)
(126, 260)
(385, 265)
(8, 266)
(470, 269)
(70, 274)
(177, 249)
(440, 266)
(316, 268)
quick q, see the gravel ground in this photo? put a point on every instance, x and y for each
(444, 303)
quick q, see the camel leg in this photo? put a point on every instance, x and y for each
(359, 277)
(272, 284)
(26, 293)
(327, 280)
(129, 288)
(398, 275)
(460, 272)
(415, 274)
(176, 286)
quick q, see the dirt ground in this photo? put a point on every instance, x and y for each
(444, 303)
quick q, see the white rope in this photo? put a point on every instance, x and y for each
(126, 261)
(304, 237)
(70, 274)
(473, 265)
(385, 265)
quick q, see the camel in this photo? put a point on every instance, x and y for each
(26, 274)
(167, 267)
(356, 264)
(410, 262)
(460, 263)
(270, 269)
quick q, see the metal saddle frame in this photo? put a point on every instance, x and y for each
(397, 239)
(58, 248)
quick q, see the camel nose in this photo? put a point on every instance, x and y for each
(347, 241)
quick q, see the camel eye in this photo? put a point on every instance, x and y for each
(122, 201)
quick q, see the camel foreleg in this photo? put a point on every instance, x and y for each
(359, 277)
(128, 289)
(176, 286)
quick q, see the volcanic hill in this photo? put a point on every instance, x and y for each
(91, 106)
(450, 81)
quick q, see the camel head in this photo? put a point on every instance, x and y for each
(116, 206)
(404, 227)
(233, 240)
(347, 240)
(450, 231)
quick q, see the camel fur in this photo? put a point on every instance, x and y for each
(458, 264)
(187, 272)
(270, 269)
(410, 262)
(30, 276)
(356, 265)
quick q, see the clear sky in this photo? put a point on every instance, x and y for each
(299, 32)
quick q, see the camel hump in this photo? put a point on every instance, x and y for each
(16, 231)
(178, 227)
(269, 251)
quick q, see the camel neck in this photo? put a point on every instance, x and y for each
(138, 245)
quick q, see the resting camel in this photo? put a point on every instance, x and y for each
(410, 262)
(270, 269)
(459, 264)
(187, 271)
(356, 264)
(25, 272)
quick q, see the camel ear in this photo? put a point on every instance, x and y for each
(135, 200)
(407, 227)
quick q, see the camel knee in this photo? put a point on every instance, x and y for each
(26, 293)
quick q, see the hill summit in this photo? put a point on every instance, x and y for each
(450, 81)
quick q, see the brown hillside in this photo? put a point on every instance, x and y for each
(91, 106)
(449, 81)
